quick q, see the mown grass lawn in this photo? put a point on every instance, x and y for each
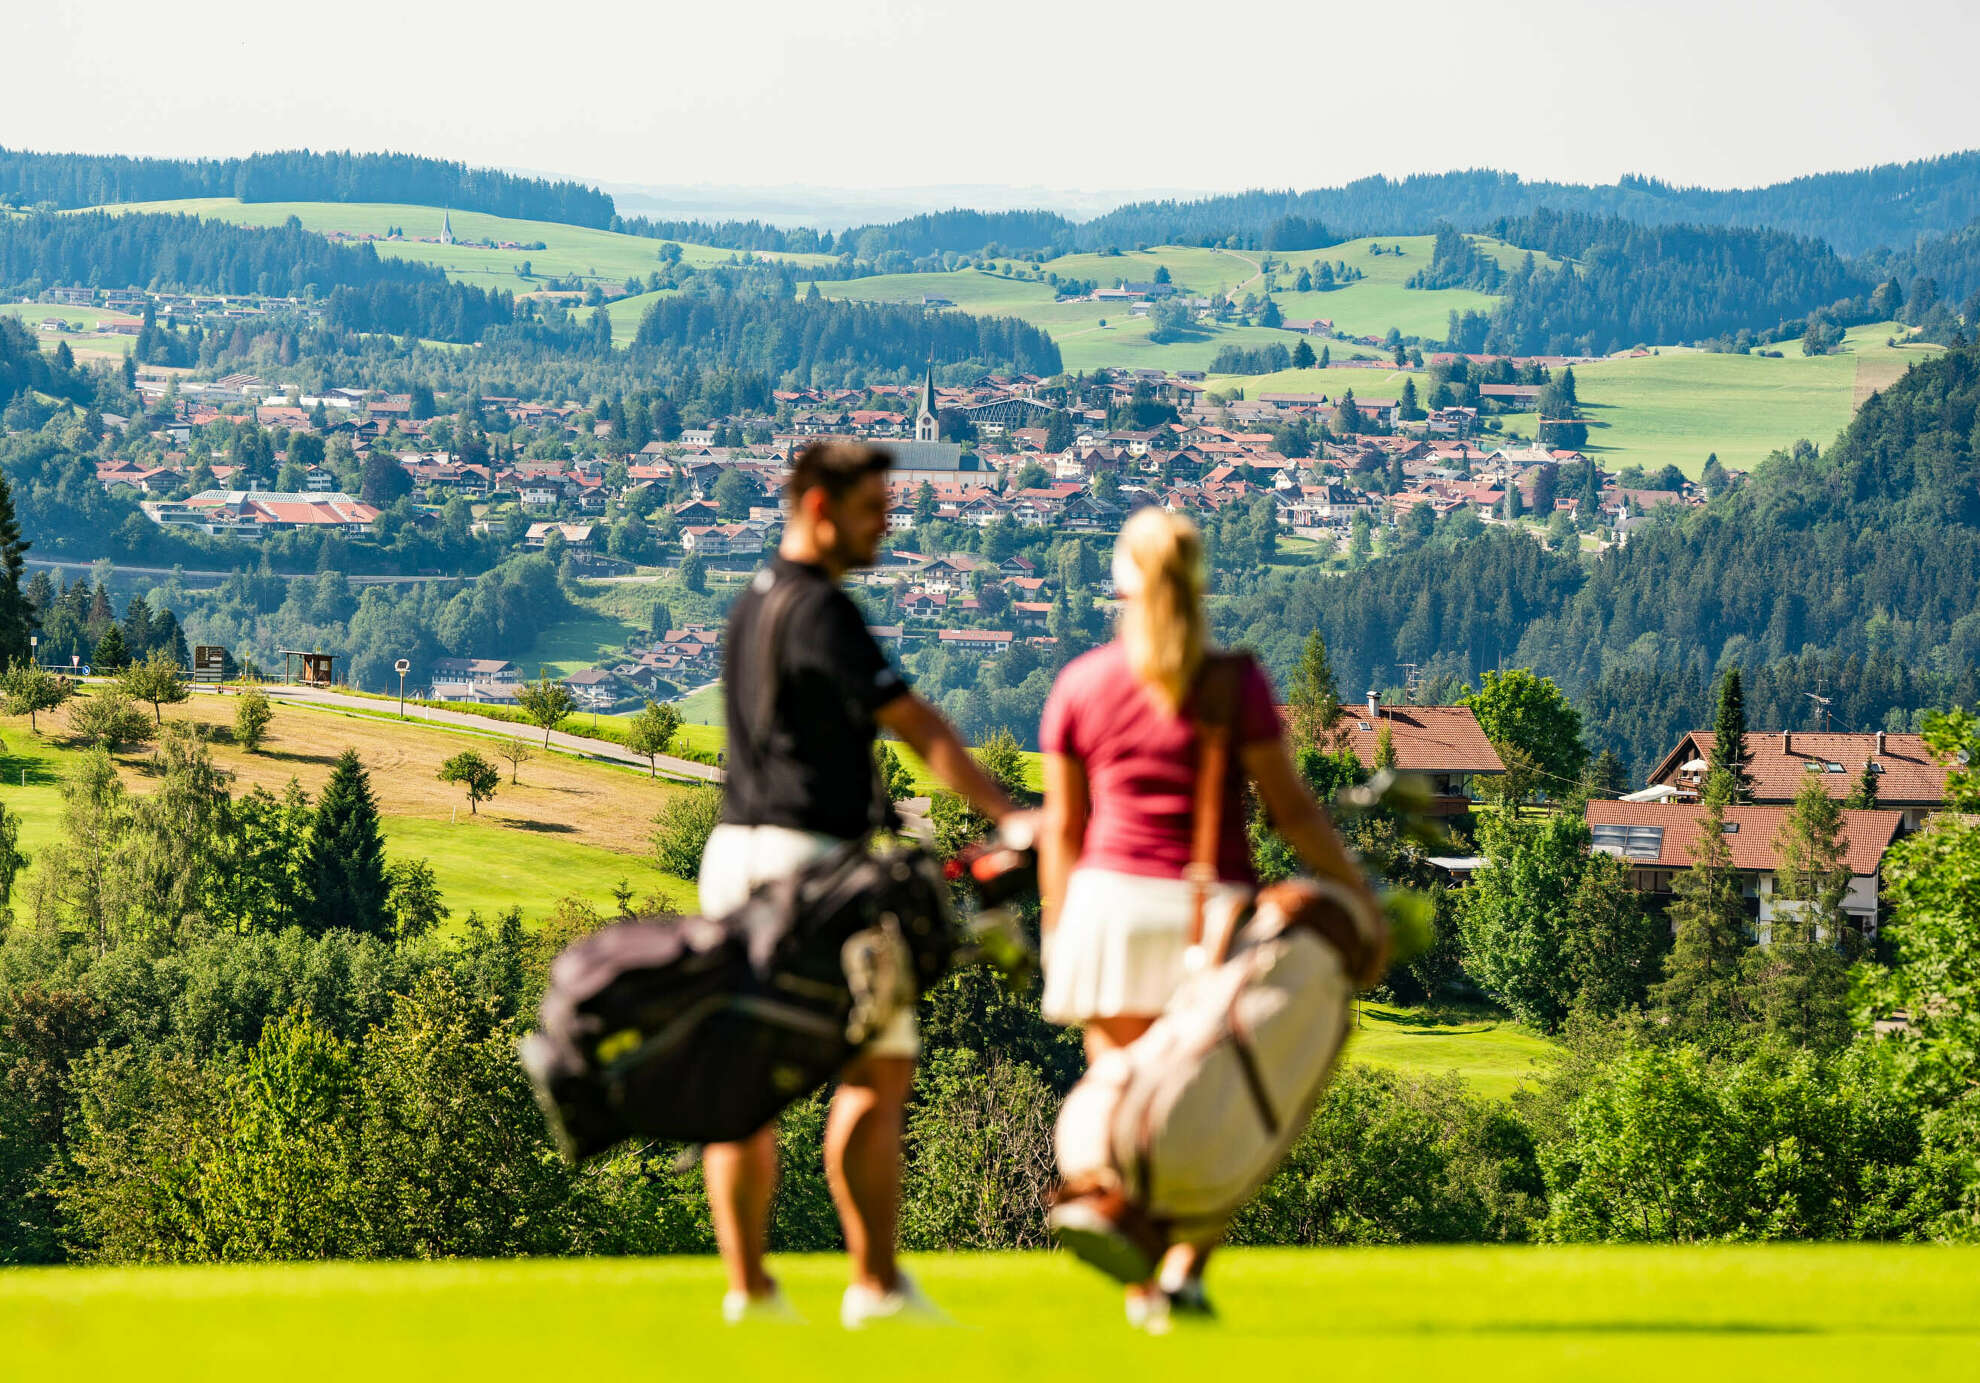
(1477, 1314)
(1492, 1054)
(571, 828)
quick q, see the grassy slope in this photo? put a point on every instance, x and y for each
(591, 254)
(1679, 405)
(1476, 1313)
(572, 828)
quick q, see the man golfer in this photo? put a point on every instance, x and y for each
(799, 786)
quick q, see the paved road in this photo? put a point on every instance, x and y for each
(576, 744)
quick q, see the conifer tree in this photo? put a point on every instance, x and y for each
(17, 616)
(1863, 797)
(345, 869)
(1799, 981)
(1315, 702)
(1730, 756)
(111, 654)
(1700, 994)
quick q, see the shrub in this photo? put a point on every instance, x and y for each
(108, 719)
(252, 714)
(682, 828)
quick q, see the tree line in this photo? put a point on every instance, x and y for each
(784, 336)
(65, 181)
(1628, 284)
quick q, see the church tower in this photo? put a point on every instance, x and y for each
(927, 428)
(447, 227)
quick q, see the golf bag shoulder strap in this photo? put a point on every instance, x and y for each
(1214, 711)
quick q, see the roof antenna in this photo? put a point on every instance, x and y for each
(1822, 704)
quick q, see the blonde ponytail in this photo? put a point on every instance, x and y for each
(1158, 561)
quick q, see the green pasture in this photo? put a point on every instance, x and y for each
(578, 642)
(1678, 406)
(603, 256)
(1530, 1315)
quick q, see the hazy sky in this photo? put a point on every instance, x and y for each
(1061, 95)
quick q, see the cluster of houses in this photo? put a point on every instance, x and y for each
(1657, 828)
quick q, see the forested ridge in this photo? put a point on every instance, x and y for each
(68, 181)
(1850, 572)
(785, 335)
(1630, 284)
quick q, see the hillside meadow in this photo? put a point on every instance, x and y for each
(592, 255)
(571, 828)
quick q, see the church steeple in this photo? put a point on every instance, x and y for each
(447, 227)
(927, 427)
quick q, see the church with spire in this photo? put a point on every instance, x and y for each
(447, 227)
(928, 457)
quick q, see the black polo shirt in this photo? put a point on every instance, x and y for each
(811, 767)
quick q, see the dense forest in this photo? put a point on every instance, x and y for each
(1849, 572)
(781, 336)
(1948, 267)
(1647, 285)
(1893, 204)
(187, 254)
(296, 175)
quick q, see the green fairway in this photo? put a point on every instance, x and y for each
(1524, 1314)
(593, 255)
(487, 865)
(1493, 1055)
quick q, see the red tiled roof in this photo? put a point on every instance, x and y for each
(1866, 835)
(1427, 739)
(1780, 764)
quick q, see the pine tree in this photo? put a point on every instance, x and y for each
(1730, 755)
(17, 616)
(111, 652)
(1799, 982)
(1315, 702)
(1864, 797)
(345, 868)
(1700, 994)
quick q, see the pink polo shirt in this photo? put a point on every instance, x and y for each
(1140, 760)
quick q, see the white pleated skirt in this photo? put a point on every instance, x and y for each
(1118, 948)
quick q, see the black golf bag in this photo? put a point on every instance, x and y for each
(701, 1029)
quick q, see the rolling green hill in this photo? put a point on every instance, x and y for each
(592, 255)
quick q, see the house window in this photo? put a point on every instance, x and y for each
(1812, 766)
(1631, 842)
(1363, 726)
(1832, 768)
(1730, 828)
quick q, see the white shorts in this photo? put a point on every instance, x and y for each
(739, 858)
(1118, 948)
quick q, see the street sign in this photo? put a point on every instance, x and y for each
(403, 666)
(212, 663)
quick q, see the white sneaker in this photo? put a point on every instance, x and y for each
(740, 1308)
(861, 1306)
(1148, 1311)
